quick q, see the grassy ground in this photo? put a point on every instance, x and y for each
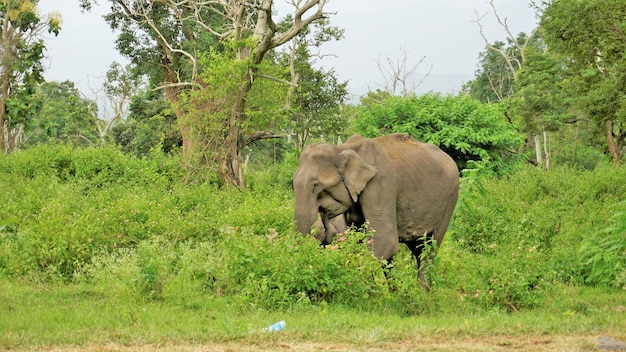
(73, 318)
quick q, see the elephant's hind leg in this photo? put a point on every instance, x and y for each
(424, 254)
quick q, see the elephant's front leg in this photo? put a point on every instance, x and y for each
(379, 212)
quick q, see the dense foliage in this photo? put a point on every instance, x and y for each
(316, 95)
(463, 127)
(494, 77)
(589, 36)
(65, 116)
(22, 48)
(150, 125)
(147, 230)
(540, 102)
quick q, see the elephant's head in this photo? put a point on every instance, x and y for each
(327, 183)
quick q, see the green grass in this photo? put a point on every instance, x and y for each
(60, 314)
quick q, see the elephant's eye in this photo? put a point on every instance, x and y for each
(316, 187)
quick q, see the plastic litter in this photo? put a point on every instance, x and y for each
(279, 326)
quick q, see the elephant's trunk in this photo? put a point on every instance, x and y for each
(306, 211)
(305, 217)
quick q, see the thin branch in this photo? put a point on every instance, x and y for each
(144, 17)
(177, 85)
(398, 73)
(299, 22)
(280, 80)
(258, 136)
(505, 25)
(502, 53)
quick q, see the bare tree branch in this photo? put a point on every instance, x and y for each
(398, 74)
(513, 62)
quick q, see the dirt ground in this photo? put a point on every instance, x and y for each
(491, 343)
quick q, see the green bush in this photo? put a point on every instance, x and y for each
(90, 167)
(268, 272)
(603, 254)
(463, 127)
(68, 204)
(140, 227)
(292, 269)
(155, 270)
(509, 281)
(561, 213)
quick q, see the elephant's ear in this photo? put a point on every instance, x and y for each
(356, 172)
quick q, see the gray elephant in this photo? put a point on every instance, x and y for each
(326, 229)
(405, 189)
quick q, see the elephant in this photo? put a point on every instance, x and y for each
(325, 230)
(406, 191)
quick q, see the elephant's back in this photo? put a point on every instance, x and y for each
(404, 150)
(427, 182)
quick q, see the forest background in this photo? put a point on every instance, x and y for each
(182, 203)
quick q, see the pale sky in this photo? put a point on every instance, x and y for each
(442, 31)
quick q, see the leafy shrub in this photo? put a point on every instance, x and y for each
(181, 273)
(292, 269)
(509, 281)
(267, 272)
(275, 177)
(91, 166)
(463, 127)
(603, 254)
(561, 213)
(48, 160)
(161, 238)
(74, 203)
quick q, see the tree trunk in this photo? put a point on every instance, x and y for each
(546, 150)
(5, 68)
(4, 91)
(230, 165)
(614, 144)
(172, 95)
(14, 137)
(542, 152)
(231, 170)
(538, 152)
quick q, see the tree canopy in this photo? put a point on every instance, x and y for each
(21, 51)
(173, 36)
(315, 96)
(65, 116)
(591, 37)
(224, 75)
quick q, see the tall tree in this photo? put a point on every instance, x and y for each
(315, 95)
(65, 116)
(540, 100)
(493, 79)
(21, 51)
(499, 62)
(219, 136)
(117, 91)
(591, 36)
(170, 34)
(499, 66)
